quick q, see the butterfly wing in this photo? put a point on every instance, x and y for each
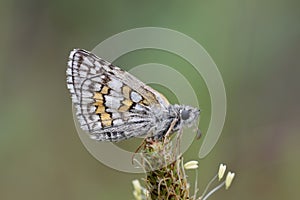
(111, 104)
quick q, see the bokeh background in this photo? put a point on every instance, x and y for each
(255, 45)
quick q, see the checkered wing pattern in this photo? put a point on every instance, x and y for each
(111, 104)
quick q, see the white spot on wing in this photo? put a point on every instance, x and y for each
(86, 85)
(93, 71)
(69, 79)
(97, 87)
(69, 71)
(92, 109)
(97, 126)
(85, 127)
(97, 66)
(118, 122)
(115, 115)
(112, 102)
(97, 79)
(74, 99)
(136, 119)
(86, 94)
(94, 137)
(106, 68)
(83, 73)
(139, 107)
(95, 118)
(115, 85)
(116, 94)
(87, 100)
(87, 61)
(84, 67)
(135, 97)
(70, 63)
(72, 53)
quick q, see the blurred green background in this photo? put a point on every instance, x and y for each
(255, 44)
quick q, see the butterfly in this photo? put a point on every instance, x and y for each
(113, 105)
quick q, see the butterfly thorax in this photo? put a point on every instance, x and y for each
(173, 119)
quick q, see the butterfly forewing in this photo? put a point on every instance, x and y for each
(111, 104)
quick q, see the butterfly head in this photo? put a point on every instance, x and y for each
(186, 115)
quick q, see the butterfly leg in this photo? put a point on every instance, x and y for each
(178, 139)
(144, 142)
(173, 123)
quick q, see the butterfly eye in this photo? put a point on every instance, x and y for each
(185, 114)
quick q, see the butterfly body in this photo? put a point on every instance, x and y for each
(113, 105)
